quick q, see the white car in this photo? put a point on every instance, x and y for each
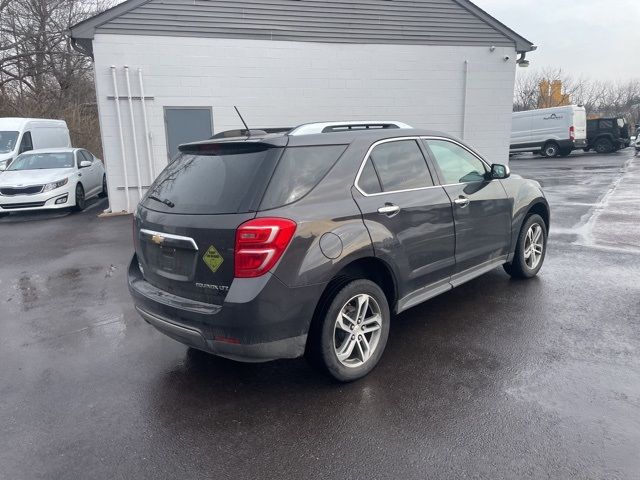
(51, 178)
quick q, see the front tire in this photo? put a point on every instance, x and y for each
(349, 336)
(81, 201)
(531, 249)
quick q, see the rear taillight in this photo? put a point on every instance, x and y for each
(259, 245)
(572, 133)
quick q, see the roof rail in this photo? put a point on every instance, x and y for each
(327, 127)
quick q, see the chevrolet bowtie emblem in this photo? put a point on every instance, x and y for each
(157, 239)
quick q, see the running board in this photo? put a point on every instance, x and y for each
(426, 293)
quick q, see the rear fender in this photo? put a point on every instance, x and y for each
(314, 257)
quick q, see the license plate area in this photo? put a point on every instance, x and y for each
(169, 262)
(173, 258)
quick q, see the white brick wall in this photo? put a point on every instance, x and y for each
(288, 83)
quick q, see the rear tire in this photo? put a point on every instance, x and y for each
(565, 152)
(603, 145)
(348, 336)
(550, 150)
(531, 249)
(80, 199)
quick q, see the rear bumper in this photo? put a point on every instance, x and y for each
(573, 144)
(265, 321)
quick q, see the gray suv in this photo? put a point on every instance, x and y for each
(275, 245)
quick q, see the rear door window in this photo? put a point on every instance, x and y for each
(394, 166)
(369, 182)
(298, 172)
(219, 179)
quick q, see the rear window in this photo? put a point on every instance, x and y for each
(225, 179)
(299, 170)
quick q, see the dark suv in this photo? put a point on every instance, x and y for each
(606, 135)
(275, 245)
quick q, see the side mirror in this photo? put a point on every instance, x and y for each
(3, 167)
(85, 164)
(499, 171)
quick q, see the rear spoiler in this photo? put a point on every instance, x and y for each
(246, 145)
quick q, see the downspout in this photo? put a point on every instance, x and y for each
(133, 132)
(464, 98)
(152, 172)
(122, 150)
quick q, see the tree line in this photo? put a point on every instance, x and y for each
(600, 98)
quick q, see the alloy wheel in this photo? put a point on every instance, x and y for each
(357, 330)
(533, 246)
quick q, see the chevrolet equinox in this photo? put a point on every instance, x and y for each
(256, 246)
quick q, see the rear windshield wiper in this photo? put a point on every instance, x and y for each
(168, 203)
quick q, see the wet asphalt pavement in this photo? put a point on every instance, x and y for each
(495, 379)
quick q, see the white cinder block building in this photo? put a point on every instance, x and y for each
(438, 64)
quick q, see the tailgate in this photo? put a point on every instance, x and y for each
(186, 256)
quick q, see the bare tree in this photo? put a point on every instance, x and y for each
(41, 75)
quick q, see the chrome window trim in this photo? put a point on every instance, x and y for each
(151, 233)
(366, 157)
(418, 137)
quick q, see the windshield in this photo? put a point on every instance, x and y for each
(8, 141)
(42, 161)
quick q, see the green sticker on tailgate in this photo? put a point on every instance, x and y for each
(213, 259)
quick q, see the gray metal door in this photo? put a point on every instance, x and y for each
(186, 124)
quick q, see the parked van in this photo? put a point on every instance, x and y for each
(549, 131)
(18, 135)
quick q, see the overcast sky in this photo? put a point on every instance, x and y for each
(598, 39)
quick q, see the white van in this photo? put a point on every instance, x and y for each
(18, 135)
(549, 131)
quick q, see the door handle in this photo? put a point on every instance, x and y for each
(461, 201)
(389, 210)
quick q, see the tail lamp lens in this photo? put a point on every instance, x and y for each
(259, 245)
(572, 133)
